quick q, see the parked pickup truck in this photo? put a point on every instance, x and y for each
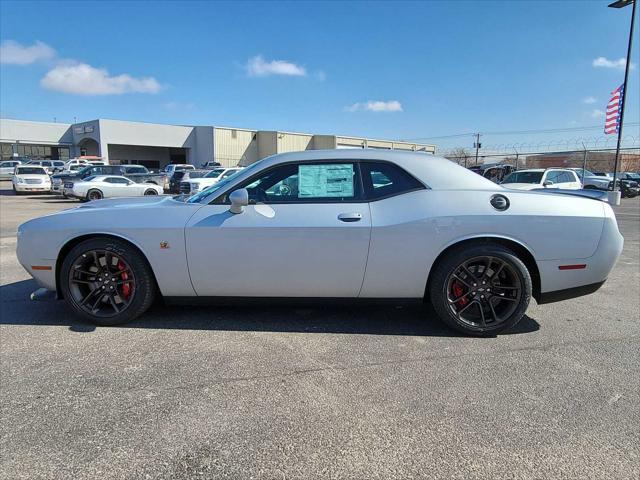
(137, 173)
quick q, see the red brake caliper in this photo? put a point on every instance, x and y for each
(126, 287)
(457, 292)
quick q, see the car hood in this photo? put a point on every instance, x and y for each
(593, 178)
(32, 175)
(126, 202)
(521, 186)
(202, 180)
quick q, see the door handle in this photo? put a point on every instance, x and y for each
(350, 217)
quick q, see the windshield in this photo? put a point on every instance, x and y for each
(30, 171)
(214, 173)
(222, 183)
(524, 177)
(88, 179)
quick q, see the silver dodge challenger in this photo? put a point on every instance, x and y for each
(326, 225)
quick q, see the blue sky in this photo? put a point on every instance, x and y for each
(379, 69)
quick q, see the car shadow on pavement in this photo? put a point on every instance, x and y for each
(410, 320)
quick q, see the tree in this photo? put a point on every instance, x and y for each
(459, 155)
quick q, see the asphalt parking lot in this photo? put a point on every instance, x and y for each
(317, 393)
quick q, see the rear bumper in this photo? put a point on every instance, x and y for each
(567, 293)
(560, 284)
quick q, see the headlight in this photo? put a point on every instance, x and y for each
(195, 187)
(19, 180)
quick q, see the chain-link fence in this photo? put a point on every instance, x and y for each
(595, 160)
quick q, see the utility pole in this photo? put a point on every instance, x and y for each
(477, 146)
(622, 4)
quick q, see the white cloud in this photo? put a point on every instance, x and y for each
(83, 79)
(589, 100)
(259, 67)
(597, 113)
(376, 106)
(604, 62)
(14, 53)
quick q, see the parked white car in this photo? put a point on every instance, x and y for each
(355, 225)
(196, 185)
(562, 178)
(106, 186)
(7, 167)
(75, 161)
(30, 178)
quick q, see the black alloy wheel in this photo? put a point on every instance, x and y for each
(481, 291)
(151, 191)
(107, 281)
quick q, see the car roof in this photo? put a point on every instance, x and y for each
(435, 172)
(102, 177)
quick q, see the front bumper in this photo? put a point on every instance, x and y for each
(35, 187)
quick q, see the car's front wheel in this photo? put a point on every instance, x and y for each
(107, 281)
(481, 289)
(151, 191)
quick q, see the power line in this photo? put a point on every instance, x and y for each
(517, 132)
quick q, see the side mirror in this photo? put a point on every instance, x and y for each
(547, 183)
(239, 199)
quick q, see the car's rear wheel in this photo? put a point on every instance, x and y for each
(151, 191)
(94, 195)
(107, 281)
(481, 289)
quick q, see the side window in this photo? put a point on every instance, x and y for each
(385, 179)
(305, 183)
(121, 181)
(553, 176)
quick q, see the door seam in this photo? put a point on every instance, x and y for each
(366, 263)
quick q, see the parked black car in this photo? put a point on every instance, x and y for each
(137, 173)
(493, 171)
(183, 175)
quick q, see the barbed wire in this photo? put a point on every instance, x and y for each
(602, 142)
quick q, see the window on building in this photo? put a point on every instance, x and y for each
(6, 151)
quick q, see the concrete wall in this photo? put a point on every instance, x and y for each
(229, 146)
(204, 146)
(322, 142)
(267, 143)
(23, 131)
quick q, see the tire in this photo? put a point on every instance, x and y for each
(75, 287)
(151, 191)
(94, 194)
(499, 307)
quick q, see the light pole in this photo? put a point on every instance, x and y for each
(622, 4)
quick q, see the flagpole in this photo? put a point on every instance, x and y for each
(624, 93)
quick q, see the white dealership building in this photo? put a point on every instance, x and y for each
(156, 145)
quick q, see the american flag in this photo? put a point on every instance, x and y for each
(614, 107)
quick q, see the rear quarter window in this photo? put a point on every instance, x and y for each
(382, 180)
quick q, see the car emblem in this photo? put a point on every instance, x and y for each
(164, 245)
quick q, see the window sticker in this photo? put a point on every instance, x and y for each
(321, 181)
